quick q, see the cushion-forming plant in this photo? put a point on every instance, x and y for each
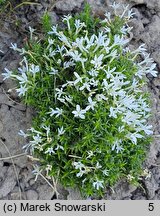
(86, 84)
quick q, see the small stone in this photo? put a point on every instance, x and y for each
(120, 191)
(53, 17)
(68, 5)
(9, 182)
(31, 195)
(156, 56)
(138, 1)
(31, 182)
(17, 196)
(45, 192)
(1, 126)
(74, 194)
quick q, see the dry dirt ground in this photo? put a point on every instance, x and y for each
(16, 177)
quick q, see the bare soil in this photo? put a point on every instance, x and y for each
(16, 177)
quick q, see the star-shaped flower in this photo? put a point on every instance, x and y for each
(79, 112)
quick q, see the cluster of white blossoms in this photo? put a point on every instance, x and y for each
(97, 80)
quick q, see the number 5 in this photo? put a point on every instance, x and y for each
(151, 206)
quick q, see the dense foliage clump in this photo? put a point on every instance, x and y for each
(86, 87)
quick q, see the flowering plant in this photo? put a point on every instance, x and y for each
(86, 86)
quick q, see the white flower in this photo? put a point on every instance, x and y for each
(109, 72)
(51, 52)
(105, 172)
(59, 147)
(54, 30)
(121, 128)
(50, 151)
(75, 55)
(152, 71)
(47, 128)
(36, 140)
(59, 92)
(90, 154)
(34, 131)
(23, 69)
(68, 83)
(69, 99)
(120, 40)
(79, 79)
(22, 90)
(93, 73)
(130, 14)
(79, 25)
(125, 9)
(78, 165)
(37, 171)
(85, 85)
(147, 174)
(21, 133)
(133, 137)
(61, 131)
(50, 41)
(14, 46)
(90, 42)
(81, 172)
(62, 100)
(101, 97)
(112, 54)
(130, 177)
(134, 86)
(125, 30)
(98, 184)
(64, 39)
(34, 69)
(31, 29)
(60, 49)
(143, 106)
(113, 112)
(97, 62)
(147, 60)
(23, 78)
(68, 64)
(94, 82)
(147, 129)
(140, 73)
(98, 166)
(91, 104)
(67, 18)
(108, 17)
(53, 71)
(79, 112)
(56, 112)
(115, 5)
(107, 30)
(116, 146)
(82, 60)
(141, 49)
(79, 43)
(31, 32)
(131, 117)
(128, 102)
(100, 39)
(7, 74)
